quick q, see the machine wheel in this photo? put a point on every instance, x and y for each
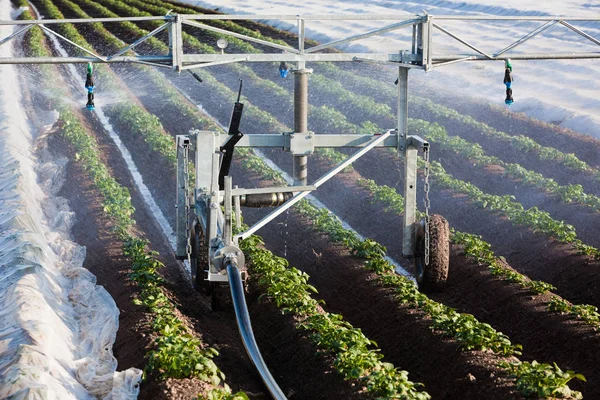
(432, 277)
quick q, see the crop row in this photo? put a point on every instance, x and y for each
(388, 94)
(347, 124)
(177, 353)
(568, 193)
(481, 251)
(534, 218)
(354, 355)
(364, 105)
(543, 380)
(379, 377)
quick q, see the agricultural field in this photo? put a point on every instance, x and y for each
(334, 310)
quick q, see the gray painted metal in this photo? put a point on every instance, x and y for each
(238, 210)
(228, 205)
(282, 140)
(281, 189)
(180, 222)
(409, 153)
(82, 60)
(402, 109)
(243, 321)
(421, 56)
(300, 168)
(410, 200)
(299, 196)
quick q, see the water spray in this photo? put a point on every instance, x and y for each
(89, 85)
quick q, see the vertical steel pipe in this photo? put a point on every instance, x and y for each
(300, 121)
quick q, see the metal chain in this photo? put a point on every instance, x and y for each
(427, 202)
(186, 188)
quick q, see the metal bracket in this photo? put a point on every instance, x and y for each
(301, 143)
(228, 253)
(416, 142)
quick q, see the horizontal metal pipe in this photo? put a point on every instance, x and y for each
(307, 17)
(319, 140)
(82, 20)
(287, 57)
(264, 199)
(81, 60)
(532, 56)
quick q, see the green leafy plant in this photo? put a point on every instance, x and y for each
(543, 380)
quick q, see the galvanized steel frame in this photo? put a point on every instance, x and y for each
(420, 56)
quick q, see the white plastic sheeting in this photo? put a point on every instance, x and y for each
(57, 327)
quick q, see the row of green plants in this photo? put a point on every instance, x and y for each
(353, 355)
(465, 328)
(342, 156)
(177, 353)
(387, 94)
(570, 193)
(380, 375)
(534, 218)
(585, 312)
(481, 251)
(434, 132)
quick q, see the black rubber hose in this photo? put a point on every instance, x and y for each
(245, 327)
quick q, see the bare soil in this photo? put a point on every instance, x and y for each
(347, 288)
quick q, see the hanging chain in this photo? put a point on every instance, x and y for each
(427, 203)
(186, 189)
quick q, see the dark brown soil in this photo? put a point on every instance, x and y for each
(402, 334)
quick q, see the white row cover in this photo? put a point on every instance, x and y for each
(57, 327)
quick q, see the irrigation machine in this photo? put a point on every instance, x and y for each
(209, 206)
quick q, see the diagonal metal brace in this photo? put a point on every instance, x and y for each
(9, 37)
(73, 43)
(299, 196)
(140, 40)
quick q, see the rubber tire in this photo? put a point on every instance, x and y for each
(433, 276)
